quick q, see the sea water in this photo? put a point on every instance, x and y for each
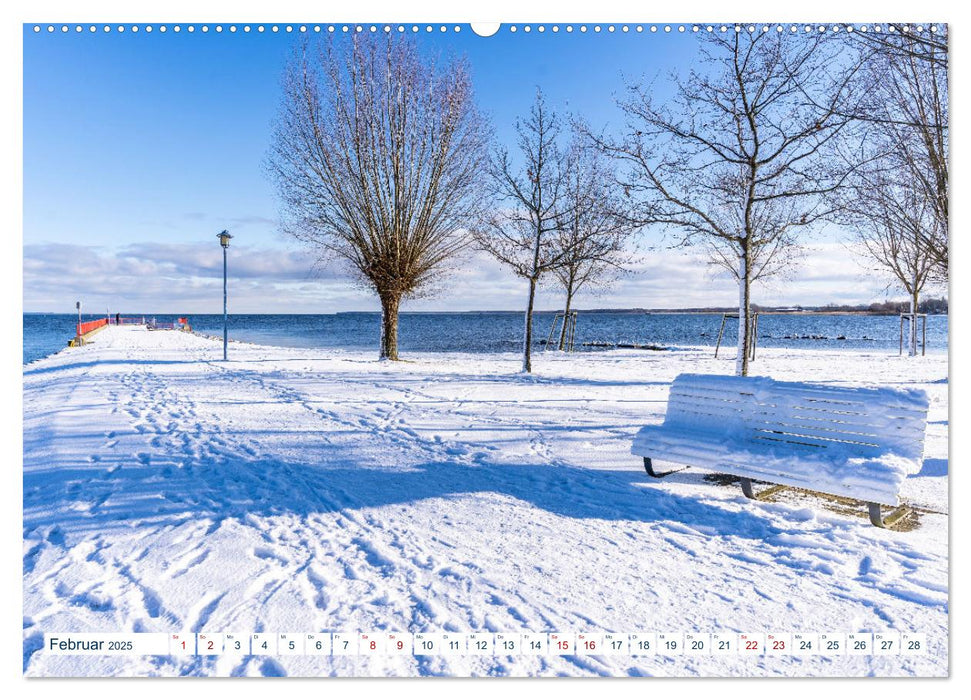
(494, 332)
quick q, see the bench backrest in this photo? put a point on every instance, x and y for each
(795, 417)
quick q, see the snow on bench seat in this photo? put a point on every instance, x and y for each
(855, 442)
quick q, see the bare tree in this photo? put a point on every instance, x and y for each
(906, 113)
(378, 155)
(897, 225)
(735, 159)
(595, 236)
(531, 206)
(921, 42)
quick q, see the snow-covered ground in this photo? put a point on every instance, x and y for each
(295, 490)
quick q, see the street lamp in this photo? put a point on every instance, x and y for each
(224, 242)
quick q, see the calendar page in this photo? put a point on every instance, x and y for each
(429, 348)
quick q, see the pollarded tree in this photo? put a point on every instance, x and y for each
(735, 160)
(378, 156)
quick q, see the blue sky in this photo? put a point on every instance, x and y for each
(140, 147)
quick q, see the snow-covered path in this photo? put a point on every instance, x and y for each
(302, 490)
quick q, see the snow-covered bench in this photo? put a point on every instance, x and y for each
(854, 442)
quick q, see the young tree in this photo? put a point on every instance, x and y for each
(897, 225)
(531, 206)
(906, 115)
(378, 155)
(897, 204)
(593, 240)
(735, 159)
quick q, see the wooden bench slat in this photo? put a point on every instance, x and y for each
(875, 415)
(910, 400)
(723, 397)
(679, 406)
(897, 434)
(755, 383)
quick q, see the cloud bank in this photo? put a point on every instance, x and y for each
(159, 277)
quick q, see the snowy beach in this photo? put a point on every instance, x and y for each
(301, 490)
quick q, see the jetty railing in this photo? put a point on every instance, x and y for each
(85, 330)
(181, 324)
(88, 326)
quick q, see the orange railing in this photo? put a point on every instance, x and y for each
(89, 326)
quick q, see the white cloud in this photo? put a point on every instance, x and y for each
(164, 277)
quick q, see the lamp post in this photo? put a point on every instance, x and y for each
(78, 336)
(224, 242)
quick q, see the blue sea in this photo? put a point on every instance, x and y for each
(491, 332)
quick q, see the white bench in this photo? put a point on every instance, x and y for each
(854, 442)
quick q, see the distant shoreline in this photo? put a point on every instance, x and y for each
(647, 312)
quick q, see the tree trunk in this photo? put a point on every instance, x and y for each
(744, 327)
(528, 335)
(914, 299)
(566, 317)
(389, 326)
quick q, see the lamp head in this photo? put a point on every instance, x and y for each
(223, 237)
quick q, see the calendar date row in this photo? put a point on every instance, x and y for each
(485, 643)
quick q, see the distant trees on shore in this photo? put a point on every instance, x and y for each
(926, 306)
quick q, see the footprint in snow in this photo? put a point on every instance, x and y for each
(56, 536)
(33, 643)
(267, 553)
(270, 668)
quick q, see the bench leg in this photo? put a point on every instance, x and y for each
(876, 517)
(750, 492)
(649, 468)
